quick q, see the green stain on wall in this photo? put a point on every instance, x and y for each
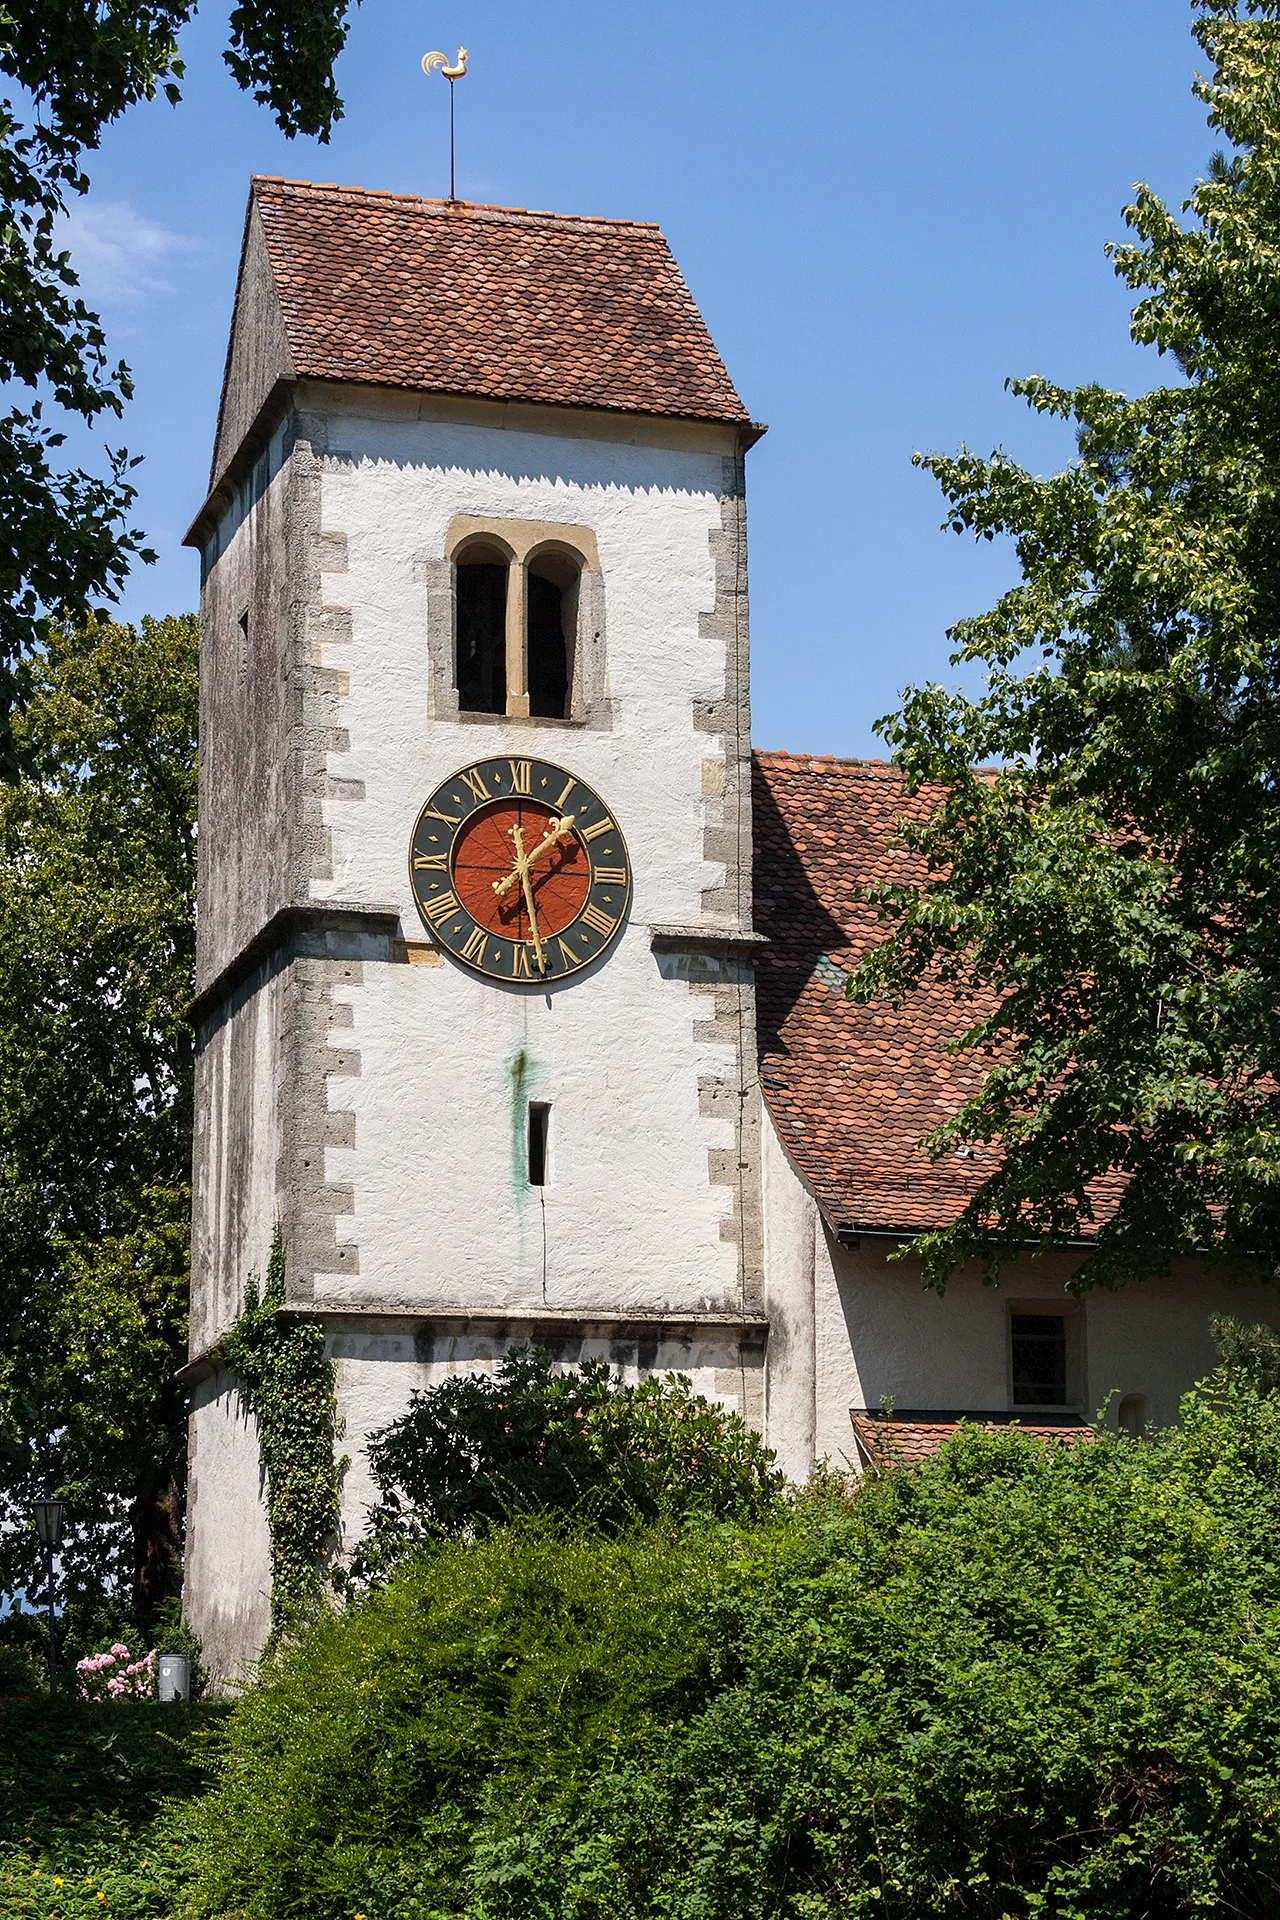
(519, 1073)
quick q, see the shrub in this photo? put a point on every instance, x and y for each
(1019, 1680)
(478, 1449)
(22, 1671)
(86, 1806)
(114, 1675)
(369, 1753)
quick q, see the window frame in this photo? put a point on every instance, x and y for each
(1071, 1313)
(524, 542)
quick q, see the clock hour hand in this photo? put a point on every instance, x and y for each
(557, 831)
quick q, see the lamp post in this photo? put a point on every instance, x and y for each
(49, 1529)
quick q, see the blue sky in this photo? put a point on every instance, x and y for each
(882, 212)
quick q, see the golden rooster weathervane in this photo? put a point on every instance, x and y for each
(430, 61)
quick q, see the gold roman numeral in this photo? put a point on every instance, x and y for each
(569, 786)
(473, 949)
(597, 921)
(431, 862)
(475, 781)
(601, 826)
(520, 775)
(608, 876)
(520, 968)
(434, 813)
(438, 910)
(568, 955)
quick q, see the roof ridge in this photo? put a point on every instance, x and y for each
(455, 208)
(785, 756)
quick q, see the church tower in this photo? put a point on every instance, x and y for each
(475, 1009)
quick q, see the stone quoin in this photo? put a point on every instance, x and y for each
(475, 530)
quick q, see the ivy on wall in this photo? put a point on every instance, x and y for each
(287, 1383)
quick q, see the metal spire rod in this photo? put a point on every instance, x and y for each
(430, 61)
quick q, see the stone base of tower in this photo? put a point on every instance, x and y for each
(379, 1362)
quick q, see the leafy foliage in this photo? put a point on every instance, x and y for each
(1104, 903)
(97, 898)
(1023, 1679)
(361, 1763)
(84, 1805)
(1250, 1354)
(286, 1381)
(477, 1449)
(64, 538)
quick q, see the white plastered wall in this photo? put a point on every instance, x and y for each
(227, 1580)
(234, 1202)
(876, 1333)
(447, 1061)
(377, 1372)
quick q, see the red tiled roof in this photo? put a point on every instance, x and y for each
(448, 297)
(906, 1441)
(851, 1089)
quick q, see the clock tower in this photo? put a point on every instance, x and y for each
(475, 1008)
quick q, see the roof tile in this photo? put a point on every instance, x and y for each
(851, 1088)
(449, 297)
(900, 1441)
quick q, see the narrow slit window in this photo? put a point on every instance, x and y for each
(1039, 1359)
(481, 598)
(539, 1137)
(550, 618)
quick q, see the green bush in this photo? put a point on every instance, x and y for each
(1022, 1679)
(87, 1802)
(22, 1670)
(476, 1450)
(369, 1754)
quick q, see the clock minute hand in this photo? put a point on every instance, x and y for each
(522, 870)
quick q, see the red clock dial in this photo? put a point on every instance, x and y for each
(485, 880)
(520, 871)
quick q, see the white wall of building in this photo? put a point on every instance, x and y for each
(448, 1061)
(227, 1580)
(878, 1334)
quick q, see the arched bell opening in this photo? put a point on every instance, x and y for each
(480, 626)
(551, 620)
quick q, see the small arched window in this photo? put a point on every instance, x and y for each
(480, 593)
(1132, 1414)
(551, 620)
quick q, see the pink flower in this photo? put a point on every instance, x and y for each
(120, 1650)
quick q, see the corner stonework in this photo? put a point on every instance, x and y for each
(727, 841)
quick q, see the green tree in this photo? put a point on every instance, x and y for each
(64, 535)
(97, 909)
(477, 1449)
(1105, 904)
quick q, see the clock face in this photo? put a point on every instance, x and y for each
(519, 870)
